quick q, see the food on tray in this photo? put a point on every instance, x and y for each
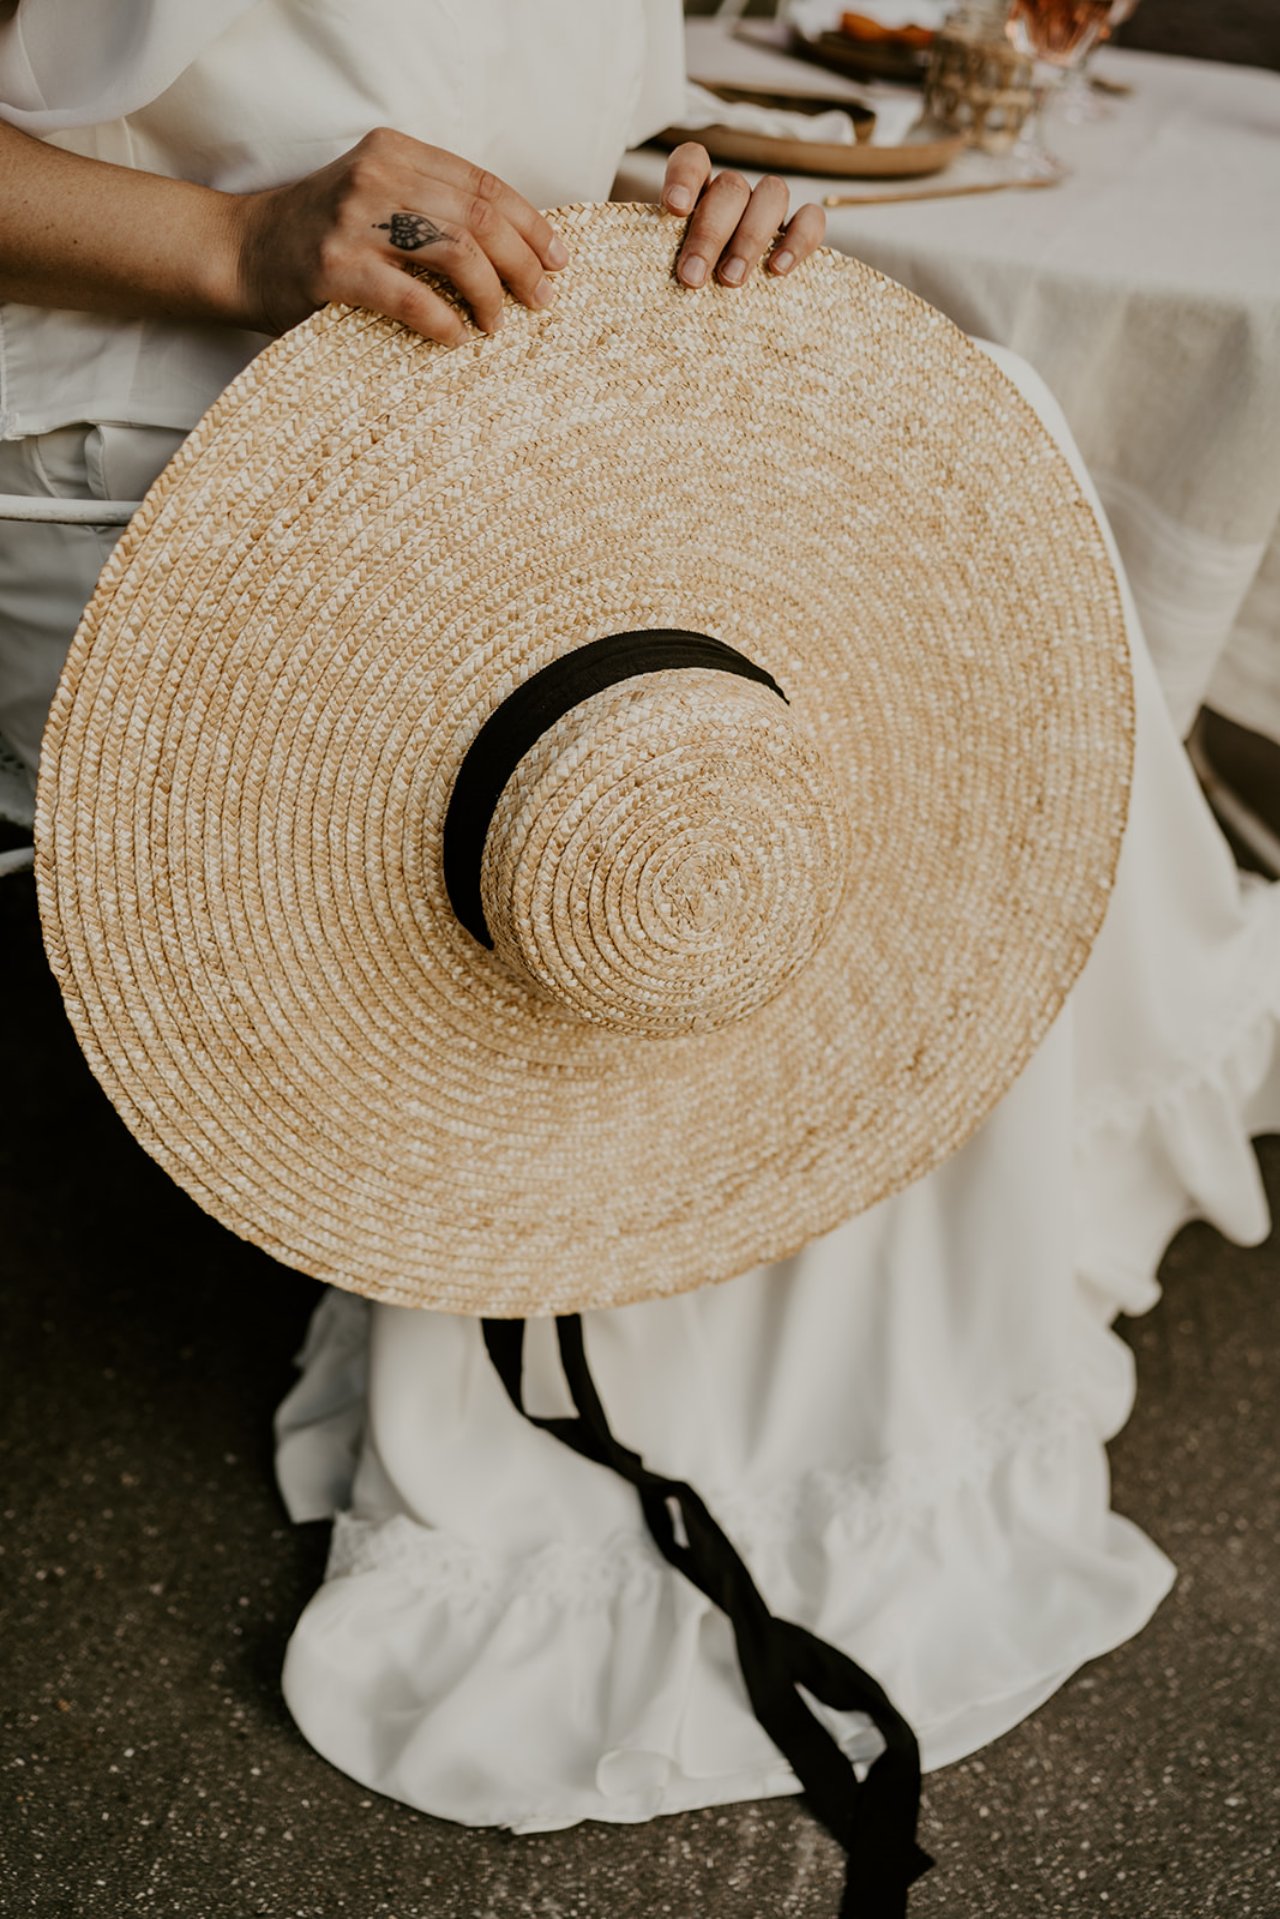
(860, 26)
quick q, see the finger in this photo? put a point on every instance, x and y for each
(533, 227)
(715, 217)
(688, 170)
(384, 288)
(393, 153)
(517, 263)
(484, 188)
(470, 243)
(755, 231)
(803, 235)
(450, 251)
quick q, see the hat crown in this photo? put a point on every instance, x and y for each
(667, 855)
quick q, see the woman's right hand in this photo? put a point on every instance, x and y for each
(348, 231)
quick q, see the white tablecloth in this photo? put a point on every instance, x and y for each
(1146, 291)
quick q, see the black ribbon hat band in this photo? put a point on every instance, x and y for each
(532, 710)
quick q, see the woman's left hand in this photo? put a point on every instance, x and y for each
(733, 227)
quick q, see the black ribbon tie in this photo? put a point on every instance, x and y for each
(873, 1820)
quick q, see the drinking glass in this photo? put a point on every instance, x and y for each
(1077, 99)
(1058, 34)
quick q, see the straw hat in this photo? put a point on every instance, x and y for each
(759, 923)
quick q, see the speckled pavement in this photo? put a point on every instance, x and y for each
(149, 1581)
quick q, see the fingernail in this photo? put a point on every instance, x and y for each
(693, 272)
(679, 199)
(558, 254)
(496, 324)
(544, 293)
(783, 262)
(733, 271)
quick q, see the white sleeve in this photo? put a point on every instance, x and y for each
(67, 64)
(661, 97)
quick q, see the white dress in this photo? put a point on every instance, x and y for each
(903, 1427)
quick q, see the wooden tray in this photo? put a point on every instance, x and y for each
(927, 151)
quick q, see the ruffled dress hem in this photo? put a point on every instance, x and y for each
(972, 1580)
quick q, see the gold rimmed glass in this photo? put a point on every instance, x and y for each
(1058, 34)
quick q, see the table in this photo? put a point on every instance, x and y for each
(1145, 290)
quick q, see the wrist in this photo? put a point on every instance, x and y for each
(225, 277)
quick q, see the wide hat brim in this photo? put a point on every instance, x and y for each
(362, 547)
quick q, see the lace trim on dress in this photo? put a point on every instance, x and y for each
(827, 1503)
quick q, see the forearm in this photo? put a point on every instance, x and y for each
(83, 233)
(101, 238)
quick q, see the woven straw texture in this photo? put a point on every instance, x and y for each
(758, 965)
